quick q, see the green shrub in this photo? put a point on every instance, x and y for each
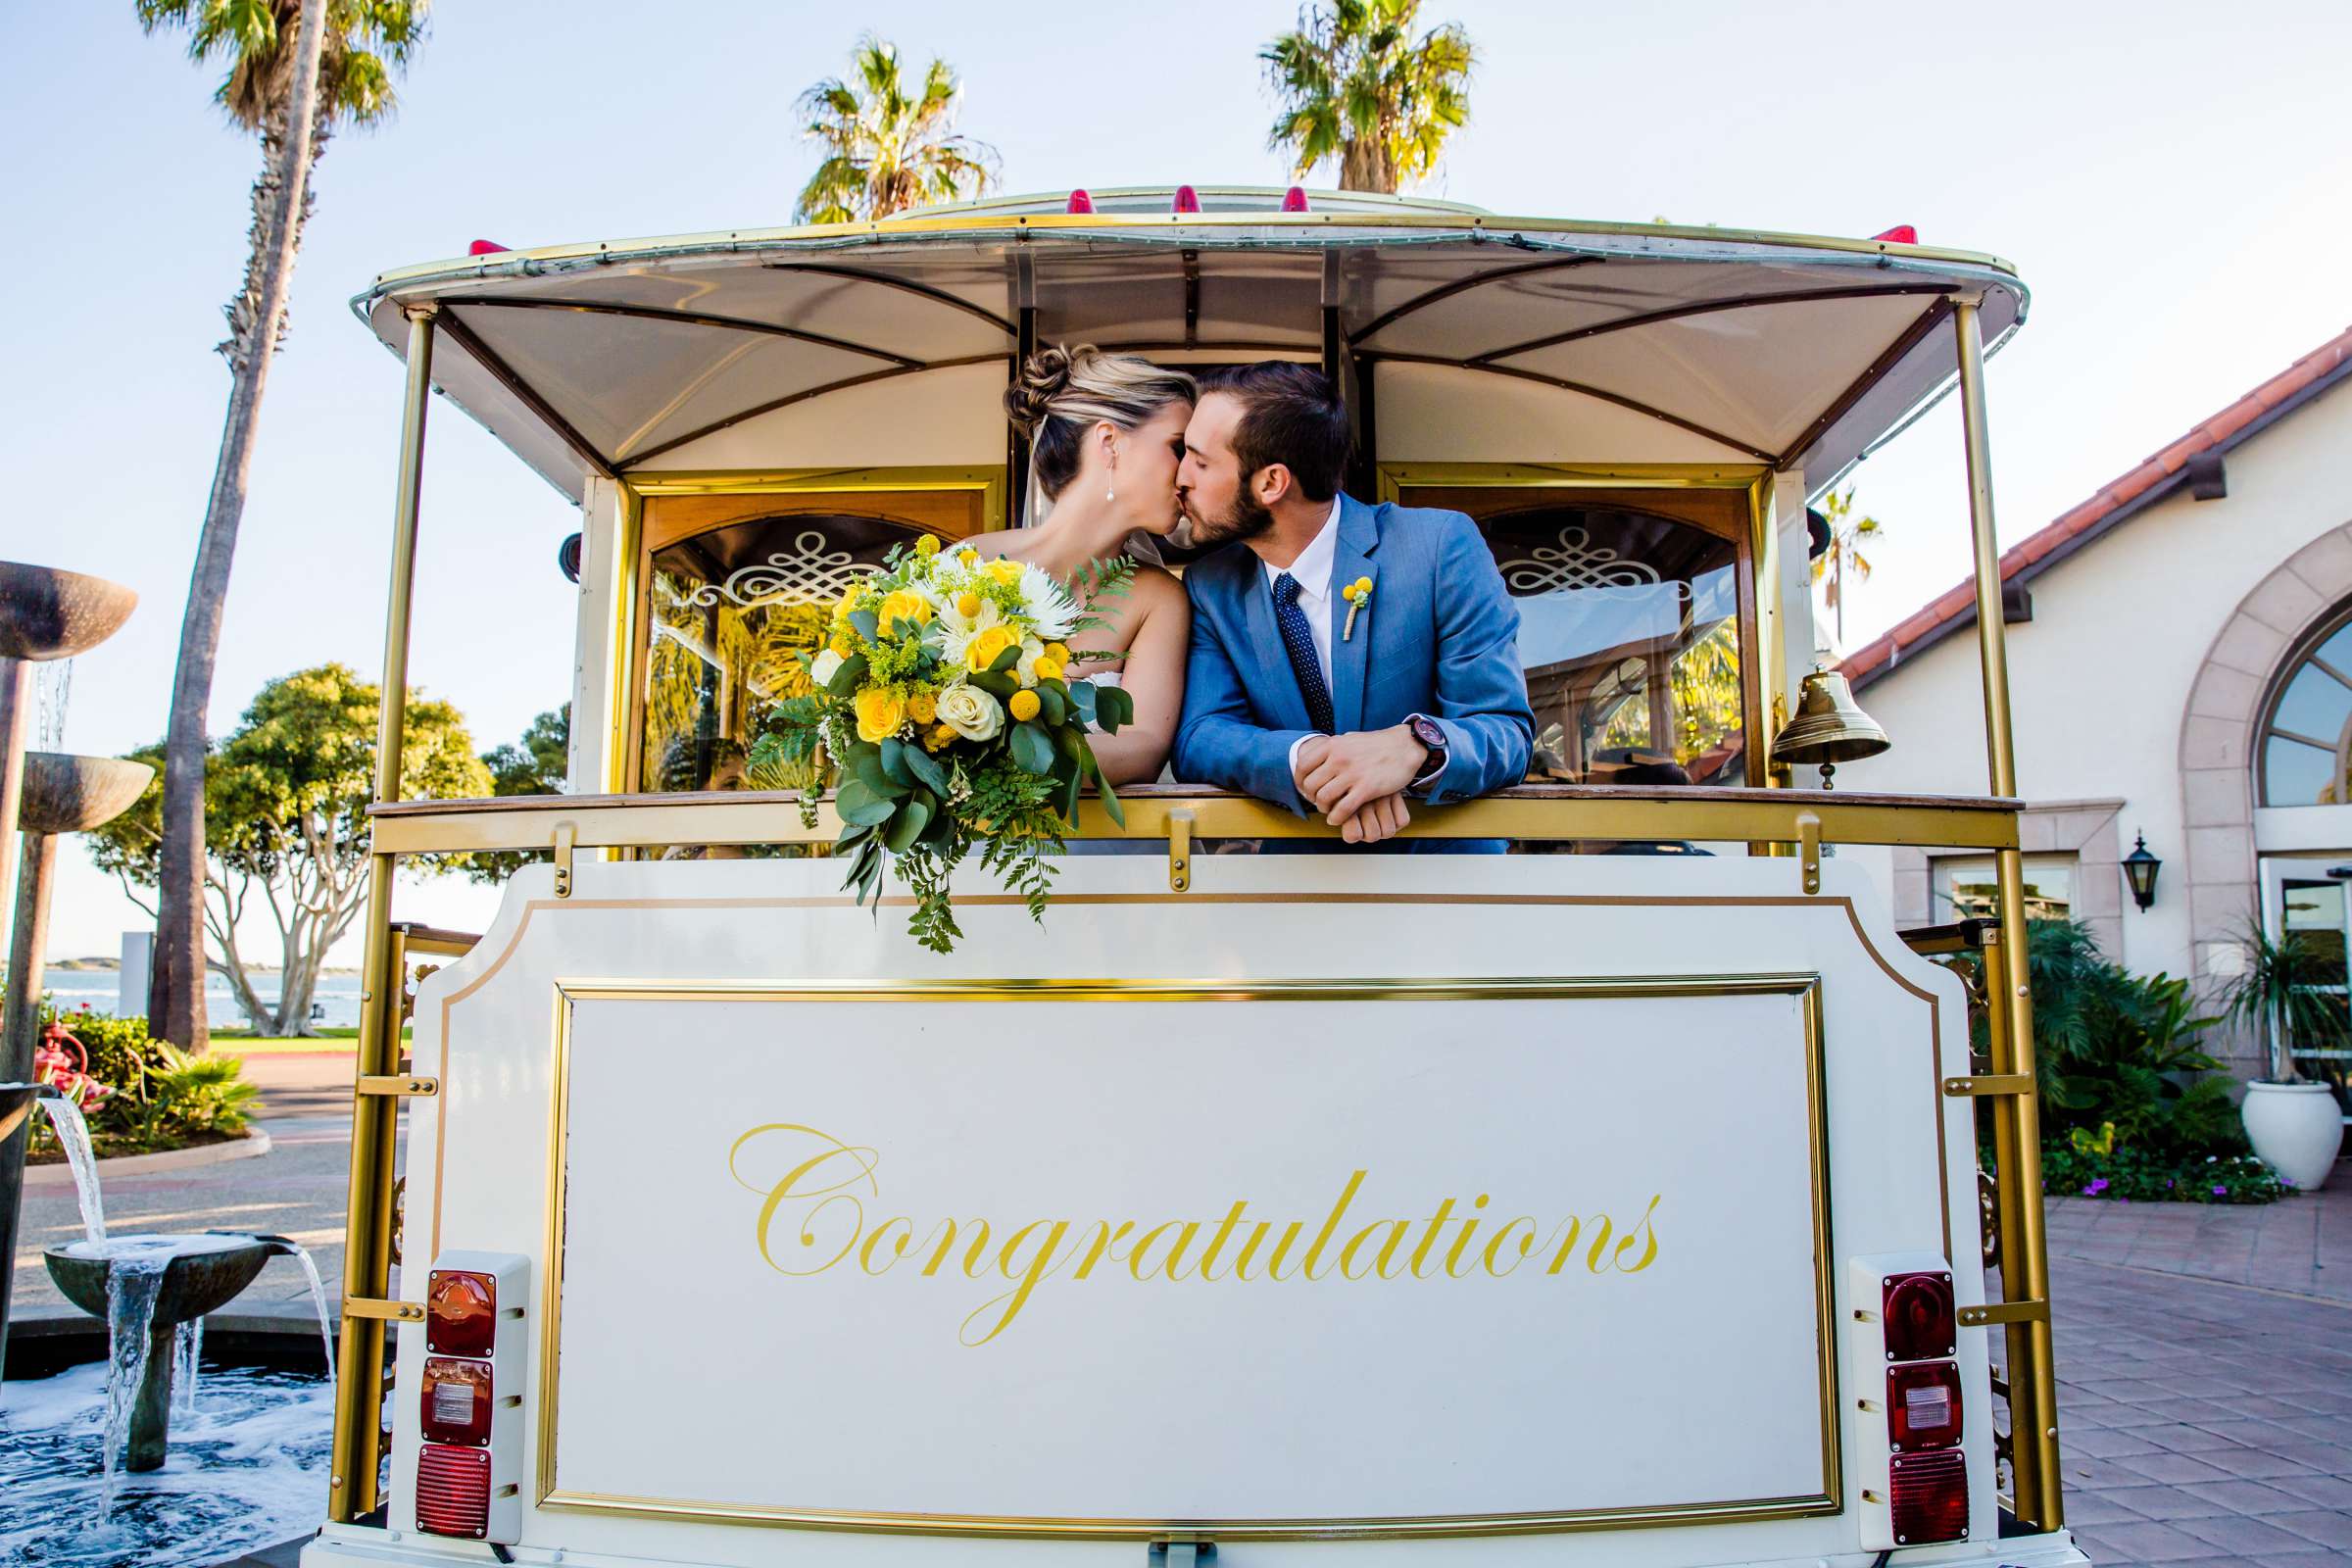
(189, 1095)
(2078, 1168)
(2120, 1056)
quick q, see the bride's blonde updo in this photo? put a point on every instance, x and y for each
(1061, 392)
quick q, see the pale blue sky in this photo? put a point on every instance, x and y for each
(2172, 178)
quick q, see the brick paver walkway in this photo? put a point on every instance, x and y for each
(2205, 1368)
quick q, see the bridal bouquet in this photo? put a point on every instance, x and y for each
(945, 696)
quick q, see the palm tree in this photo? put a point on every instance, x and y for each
(886, 150)
(1357, 86)
(296, 72)
(1846, 535)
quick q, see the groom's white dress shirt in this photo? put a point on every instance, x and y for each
(1311, 572)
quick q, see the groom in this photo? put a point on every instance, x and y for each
(1346, 658)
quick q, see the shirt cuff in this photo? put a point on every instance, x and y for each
(1295, 745)
(1428, 777)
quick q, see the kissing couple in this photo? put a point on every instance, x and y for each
(1324, 654)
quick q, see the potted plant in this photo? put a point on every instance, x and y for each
(2293, 1123)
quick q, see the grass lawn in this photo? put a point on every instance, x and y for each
(245, 1043)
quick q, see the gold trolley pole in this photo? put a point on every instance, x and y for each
(2016, 1116)
(367, 1241)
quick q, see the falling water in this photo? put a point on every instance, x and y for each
(132, 1279)
(73, 1135)
(187, 1351)
(326, 1333)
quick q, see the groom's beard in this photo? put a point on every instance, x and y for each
(1246, 518)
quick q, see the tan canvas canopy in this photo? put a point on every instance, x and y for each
(1796, 350)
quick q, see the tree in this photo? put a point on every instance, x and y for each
(287, 798)
(1357, 86)
(296, 72)
(1846, 535)
(540, 763)
(886, 150)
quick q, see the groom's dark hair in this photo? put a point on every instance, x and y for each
(1292, 415)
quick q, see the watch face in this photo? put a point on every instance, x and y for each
(1428, 732)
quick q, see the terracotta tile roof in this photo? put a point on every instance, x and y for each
(2113, 502)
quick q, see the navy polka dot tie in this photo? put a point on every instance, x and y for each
(1299, 640)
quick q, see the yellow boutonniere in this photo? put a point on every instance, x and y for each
(1358, 594)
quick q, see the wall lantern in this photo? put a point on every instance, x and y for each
(2139, 869)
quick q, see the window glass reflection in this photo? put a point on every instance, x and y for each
(730, 613)
(1629, 631)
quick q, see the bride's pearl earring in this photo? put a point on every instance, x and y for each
(1110, 489)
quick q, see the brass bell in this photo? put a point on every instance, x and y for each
(1828, 728)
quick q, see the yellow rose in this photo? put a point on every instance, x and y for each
(843, 645)
(988, 645)
(928, 545)
(967, 605)
(922, 706)
(1024, 706)
(880, 712)
(1049, 668)
(905, 605)
(1006, 573)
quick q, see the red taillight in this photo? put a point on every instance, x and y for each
(1080, 202)
(455, 1405)
(1188, 200)
(1920, 1323)
(1923, 1405)
(453, 1492)
(1899, 235)
(461, 1314)
(1294, 200)
(1929, 1497)
(487, 247)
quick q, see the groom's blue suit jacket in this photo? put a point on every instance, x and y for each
(1439, 636)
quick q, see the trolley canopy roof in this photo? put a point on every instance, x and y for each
(1789, 350)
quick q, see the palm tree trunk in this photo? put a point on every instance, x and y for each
(175, 999)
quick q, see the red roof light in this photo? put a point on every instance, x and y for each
(1080, 202)
(486, 247)
(1188, 200)
(1294, 200)
(1899, 235)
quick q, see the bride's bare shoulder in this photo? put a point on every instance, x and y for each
(1153, 586)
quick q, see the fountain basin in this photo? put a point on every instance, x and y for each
(47, 613)
(16, 1104)
(66, 793)
(198, 1274)
(203, 1275)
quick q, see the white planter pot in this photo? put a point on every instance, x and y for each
(2295, 1130)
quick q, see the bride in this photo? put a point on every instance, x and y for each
(1105, 433)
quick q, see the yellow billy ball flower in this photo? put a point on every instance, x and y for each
(988, 645)
(922, 706)
(880, 712)
(906, 606)
(1024, 706)
(967, 605)
(1059, 652)
(1049, 668)
(928, 545)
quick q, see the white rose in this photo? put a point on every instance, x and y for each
(826, 665)
(970, 711)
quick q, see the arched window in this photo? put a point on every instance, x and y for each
(2303, 753)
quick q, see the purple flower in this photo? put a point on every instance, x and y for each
(2287, 1183)
(2221, 1191)
(2098, 1186)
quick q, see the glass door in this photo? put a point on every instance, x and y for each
(2310, 908)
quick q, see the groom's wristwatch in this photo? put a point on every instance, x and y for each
(1432, 736)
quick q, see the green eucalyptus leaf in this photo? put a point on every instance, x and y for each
(1001, 687)
(914, 816)
(1031, 749)
(849, 677)
(866, 625)
(926, 770)
(1051, 705)
(861, 806)
(893, 761)
(1006, 660)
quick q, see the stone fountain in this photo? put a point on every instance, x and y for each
(44, 613)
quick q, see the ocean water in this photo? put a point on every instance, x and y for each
(337, 996)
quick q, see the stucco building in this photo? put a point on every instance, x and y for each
(2181, 665)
